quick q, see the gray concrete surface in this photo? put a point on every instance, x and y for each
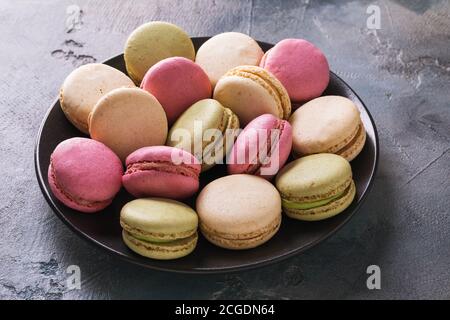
(401, 71)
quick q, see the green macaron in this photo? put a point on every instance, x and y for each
(153, 42)
(159, 228)
(206, 129)
(316, 187)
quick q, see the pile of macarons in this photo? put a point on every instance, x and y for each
(228, 85)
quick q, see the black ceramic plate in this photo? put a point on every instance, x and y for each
(294, 236)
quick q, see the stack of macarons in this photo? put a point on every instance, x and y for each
(177, 113)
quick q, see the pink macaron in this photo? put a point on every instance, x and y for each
(84, 174)
(262, 148)
(161, 171)
(177, 83)
(301, 67)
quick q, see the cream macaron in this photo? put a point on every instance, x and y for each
(328, 124)
(84, 86)
(251, 91)
(225, 51)
(239, 211)
(127, 119)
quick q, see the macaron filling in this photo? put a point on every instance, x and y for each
(79, 201)
(164, 166)
(244, 237)
(289, 204)
(347, 142)
(172, 246)
(156, 237)
(75, 121)
(352, 141)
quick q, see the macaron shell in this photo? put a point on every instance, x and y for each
(279, 153)
(127, 119)
(232, 125)
(313, 177)
(225, 51)
(84, 87)
(159, 218)
(153, 42)
(86, 207)
(246, 98)
(300, 66)
(87, 171)
(151, 171)
(269, 81)
(324, 212)
(169, 183)
(210, 114)
(177, 83)
(325, 124)
(249, 139)
(239, 207)
(250, 92)
(164, 154)
(161, 251)
(234, 243)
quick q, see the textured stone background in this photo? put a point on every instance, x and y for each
(401, 71)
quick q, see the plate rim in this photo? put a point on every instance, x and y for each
(223, 270)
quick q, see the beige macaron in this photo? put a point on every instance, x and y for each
(239, 211)
(127, 119)
(225, 51)
(251, 91)
(328, 124)
(84, 86)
